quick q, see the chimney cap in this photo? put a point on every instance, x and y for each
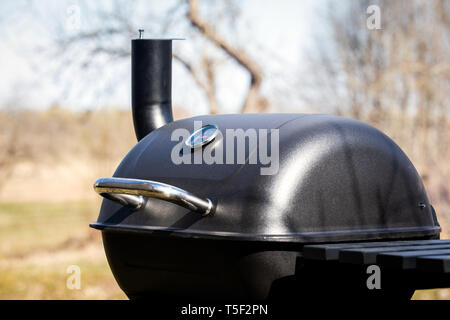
(141, 37)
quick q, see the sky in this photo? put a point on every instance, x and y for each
(277, 33)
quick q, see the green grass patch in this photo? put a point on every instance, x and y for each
(49, 282)
(60, 234)
(26, 227)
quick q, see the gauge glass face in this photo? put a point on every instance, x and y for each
(202, 136)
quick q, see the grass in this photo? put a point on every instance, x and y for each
(26, 227)
(38, 241)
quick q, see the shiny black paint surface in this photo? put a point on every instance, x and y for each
(338, 180)
(151, 84)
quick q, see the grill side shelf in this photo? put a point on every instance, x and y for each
(330, 252)
(406, 259)
(421, 264)
(369, 255)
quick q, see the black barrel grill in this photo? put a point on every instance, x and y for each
(344, 197)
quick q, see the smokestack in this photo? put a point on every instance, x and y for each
(151, 84)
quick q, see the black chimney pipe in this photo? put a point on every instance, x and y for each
(151, 84)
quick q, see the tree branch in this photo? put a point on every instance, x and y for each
(252, 100)
(207, 86)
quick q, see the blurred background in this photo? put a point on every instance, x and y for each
(65, 115)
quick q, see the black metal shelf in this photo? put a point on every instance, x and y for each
(422, 264)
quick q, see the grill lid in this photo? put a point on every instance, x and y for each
(335, 179)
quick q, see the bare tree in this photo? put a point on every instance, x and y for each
(14, 147)
(253, 100)
(363, 72)
(8, 147)
(120, 27)
(397, 77)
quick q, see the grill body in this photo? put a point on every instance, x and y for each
(338, 180)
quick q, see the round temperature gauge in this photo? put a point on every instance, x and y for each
(202, 136)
